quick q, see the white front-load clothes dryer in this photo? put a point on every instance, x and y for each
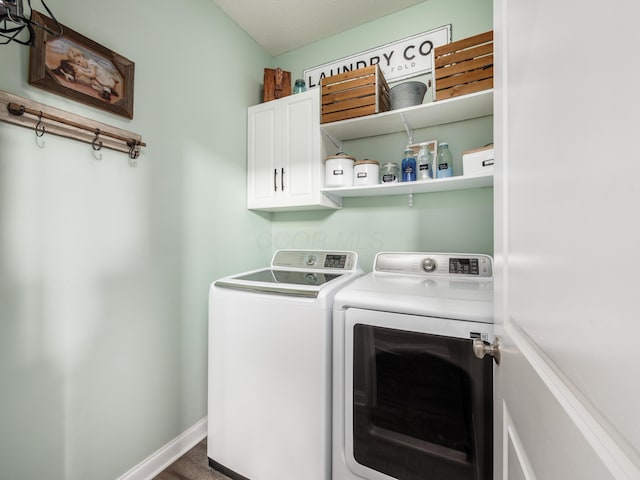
(269, 409)
(411, 400)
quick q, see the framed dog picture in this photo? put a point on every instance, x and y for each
(79, 68)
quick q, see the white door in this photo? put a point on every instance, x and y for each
(301, 128)
(264, 158)
(567, 198)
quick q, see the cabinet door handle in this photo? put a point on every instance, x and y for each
(282, 178)
(275, 179)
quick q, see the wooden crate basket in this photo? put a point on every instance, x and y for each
(465, 66)
(354, 94)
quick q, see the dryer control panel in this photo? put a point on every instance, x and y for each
(436, 264)
(315, 260)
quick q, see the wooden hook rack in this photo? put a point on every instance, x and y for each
(44, 119)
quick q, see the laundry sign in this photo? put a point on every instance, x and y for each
(398, 60)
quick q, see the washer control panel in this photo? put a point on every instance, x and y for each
(450, 264)
(315, 260)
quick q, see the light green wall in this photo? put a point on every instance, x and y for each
(105, 269)
(451, 221)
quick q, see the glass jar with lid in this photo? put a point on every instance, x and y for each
(389, 172)
(299, 86)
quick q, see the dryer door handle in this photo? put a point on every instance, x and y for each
(480, 349)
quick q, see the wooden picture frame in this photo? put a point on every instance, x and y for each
(76, 67)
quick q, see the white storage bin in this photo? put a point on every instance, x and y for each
(478, 161)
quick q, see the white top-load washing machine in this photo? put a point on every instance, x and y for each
(269, 411)
(410, 398)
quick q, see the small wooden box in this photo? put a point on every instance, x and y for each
(354, 94)
(277, 84)
(465, 66)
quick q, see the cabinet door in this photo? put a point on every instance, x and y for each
(263, 156)
(301, 148)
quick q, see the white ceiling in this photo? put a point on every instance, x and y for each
(283, 25)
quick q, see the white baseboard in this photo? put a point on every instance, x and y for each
(158, 461)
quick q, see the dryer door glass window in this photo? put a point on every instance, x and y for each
(422, 405)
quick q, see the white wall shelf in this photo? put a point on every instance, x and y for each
(421, 186)
(455, 109)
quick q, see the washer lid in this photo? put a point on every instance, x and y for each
(289, 277)
(280, 282)
(298, 273)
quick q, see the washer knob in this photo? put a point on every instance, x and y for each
(310, 259)
(429, 264)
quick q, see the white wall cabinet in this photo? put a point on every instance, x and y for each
(285, 170)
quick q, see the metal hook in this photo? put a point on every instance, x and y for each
(96, 144)
(39, 126)
(134, 152)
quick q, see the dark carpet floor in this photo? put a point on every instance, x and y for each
(193, 465)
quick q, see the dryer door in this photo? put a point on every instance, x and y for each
(420, 402)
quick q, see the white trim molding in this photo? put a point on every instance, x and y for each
(595, 429)
(158, 461)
